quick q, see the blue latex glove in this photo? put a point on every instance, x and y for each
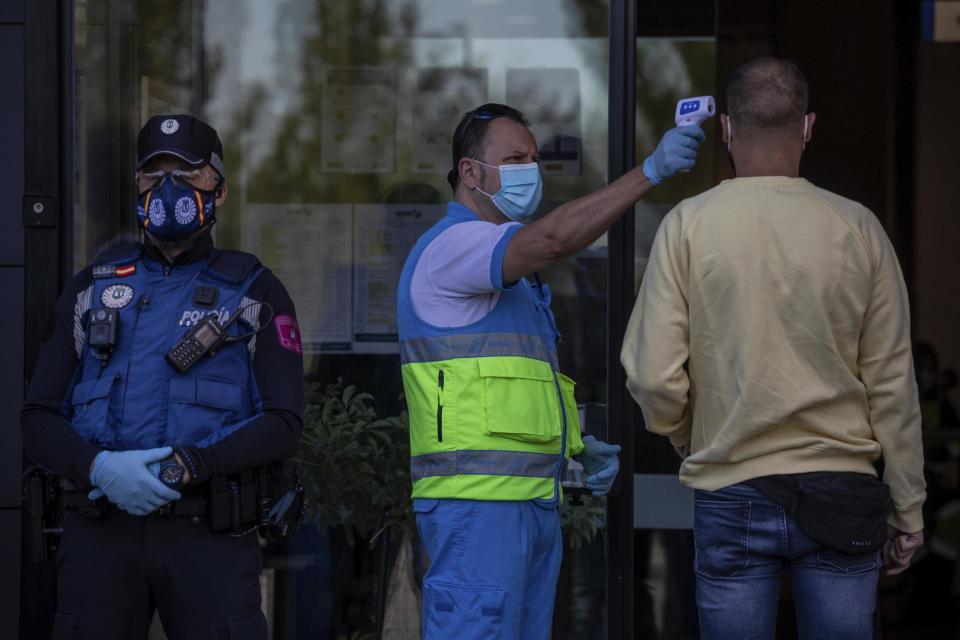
(677, 151)
(601, 463)
(153, 467)
(126, 480)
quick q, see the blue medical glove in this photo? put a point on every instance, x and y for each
(601, 463)
(124, 477)
(677, 151)
(153, 467)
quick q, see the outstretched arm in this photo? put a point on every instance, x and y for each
(574, 225)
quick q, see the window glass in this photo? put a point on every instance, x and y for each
(336, 119)
(668, 69)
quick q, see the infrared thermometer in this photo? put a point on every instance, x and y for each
(693, 111)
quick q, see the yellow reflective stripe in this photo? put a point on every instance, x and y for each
(480, 487)
(490, 463)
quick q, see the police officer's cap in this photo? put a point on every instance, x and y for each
(182, 136)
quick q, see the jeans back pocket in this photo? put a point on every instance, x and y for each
(848, 563)
(721, 535)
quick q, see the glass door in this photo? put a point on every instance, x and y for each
(663, 599)
(336, 119)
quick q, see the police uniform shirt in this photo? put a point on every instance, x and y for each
(51, 441)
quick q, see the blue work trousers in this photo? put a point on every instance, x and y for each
(493, 568)
(744, 544)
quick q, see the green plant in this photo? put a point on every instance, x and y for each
(582, 521)
(356, 464)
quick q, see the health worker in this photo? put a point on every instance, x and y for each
(493, 421)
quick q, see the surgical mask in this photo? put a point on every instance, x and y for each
(520, 190)
(172, 211)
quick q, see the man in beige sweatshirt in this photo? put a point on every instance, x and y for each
(771, 343)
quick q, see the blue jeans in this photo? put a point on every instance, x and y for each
(493, 568)
(744, 542)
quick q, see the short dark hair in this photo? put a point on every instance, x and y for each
(767, 94)
(471, 133)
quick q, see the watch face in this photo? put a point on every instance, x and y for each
(171, 474)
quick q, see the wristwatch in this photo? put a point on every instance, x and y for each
(171, 473)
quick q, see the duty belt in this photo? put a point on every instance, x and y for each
(193, 503)
(185, 507)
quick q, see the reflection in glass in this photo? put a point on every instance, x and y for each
(336, 119)
(667, 71)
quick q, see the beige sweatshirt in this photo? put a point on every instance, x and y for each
(772, 336)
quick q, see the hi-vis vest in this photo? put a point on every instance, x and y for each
(137, 400)
(491, 417)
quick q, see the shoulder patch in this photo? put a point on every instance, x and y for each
(288, 333)
(117, 296)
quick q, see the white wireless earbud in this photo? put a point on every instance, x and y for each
(693, 111)
(729, 132)
(804, 139)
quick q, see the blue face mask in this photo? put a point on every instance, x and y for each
(520, 190)
(172, 212)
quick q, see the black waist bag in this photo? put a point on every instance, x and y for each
(842, 510)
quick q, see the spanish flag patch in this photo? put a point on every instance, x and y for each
(126, 270)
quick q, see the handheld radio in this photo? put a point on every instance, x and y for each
(207, 336)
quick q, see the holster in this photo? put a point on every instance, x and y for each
(232, 501)
(43, 504)
(282, 500)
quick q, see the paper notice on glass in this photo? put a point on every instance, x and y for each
(309, 247)
(383, 239)
(441, 96)
(550, 98)
(358, 120)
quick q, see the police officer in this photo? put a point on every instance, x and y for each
(165, 441)
(492, 419)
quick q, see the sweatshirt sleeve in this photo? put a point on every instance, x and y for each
(48, 437)
(657, 343)
(886, 370)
